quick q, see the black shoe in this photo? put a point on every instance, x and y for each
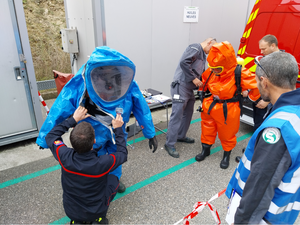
(225, 161)
(205, 152)
(172, 151)
(238, 159)
(121, 188)
(101, 220)
(186, 140)
(78, 222)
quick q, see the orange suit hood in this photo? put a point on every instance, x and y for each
(223, 84)
(222, 55)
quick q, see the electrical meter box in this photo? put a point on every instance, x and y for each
(69, 40)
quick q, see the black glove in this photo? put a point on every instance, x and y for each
(153, 142)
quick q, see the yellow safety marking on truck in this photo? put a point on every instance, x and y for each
(255, 14)
(244, 48)
(253, 68)
(248, 60)
(250, 18)
(239, 51)
(248, 32)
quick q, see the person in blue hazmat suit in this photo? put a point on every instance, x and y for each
(105, 86)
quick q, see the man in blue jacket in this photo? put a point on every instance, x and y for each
(104, 85)
(88, 188)
(267, 177)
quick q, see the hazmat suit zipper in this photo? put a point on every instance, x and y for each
(109, 126)
(104, 123)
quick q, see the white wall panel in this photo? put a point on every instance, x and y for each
(79, 15)
(129, 31)
(170, 37)
(153, 35)
(222, 19)
(152, 32)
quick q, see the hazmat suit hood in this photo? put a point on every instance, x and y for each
(223, 55)
(108, 76)
(108, 80)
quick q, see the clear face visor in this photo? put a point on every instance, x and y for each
(217, 69)
(111, 82)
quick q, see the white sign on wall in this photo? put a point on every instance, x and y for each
(191, 14)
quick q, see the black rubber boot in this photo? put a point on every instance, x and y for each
(101, 220)
(225, 161)
(238, 158)
(205, 152)
(121, 188)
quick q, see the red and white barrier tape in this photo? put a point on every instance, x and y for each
(199, 206)
(43, 103)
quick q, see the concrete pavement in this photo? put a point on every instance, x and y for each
(160, 189)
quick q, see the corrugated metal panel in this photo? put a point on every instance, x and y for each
(46, 84)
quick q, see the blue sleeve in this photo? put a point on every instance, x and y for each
(142, 112)
(63, 107)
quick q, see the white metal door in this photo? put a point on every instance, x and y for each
(16, 113)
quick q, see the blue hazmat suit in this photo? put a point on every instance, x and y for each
(103, 85)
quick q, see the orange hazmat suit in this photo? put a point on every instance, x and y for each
(222, 86)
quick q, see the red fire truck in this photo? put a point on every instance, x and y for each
(277, 17)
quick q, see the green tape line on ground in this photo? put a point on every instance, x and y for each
(156, 177)
(143, 138)
(57, 167)
(196, 120)
(29, 176)
(170, 170)
(157, 133)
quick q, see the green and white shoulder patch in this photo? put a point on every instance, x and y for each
(271, 135)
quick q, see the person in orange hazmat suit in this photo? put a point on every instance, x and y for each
(221, 111)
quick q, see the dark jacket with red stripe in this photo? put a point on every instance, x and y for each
(84, 176)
